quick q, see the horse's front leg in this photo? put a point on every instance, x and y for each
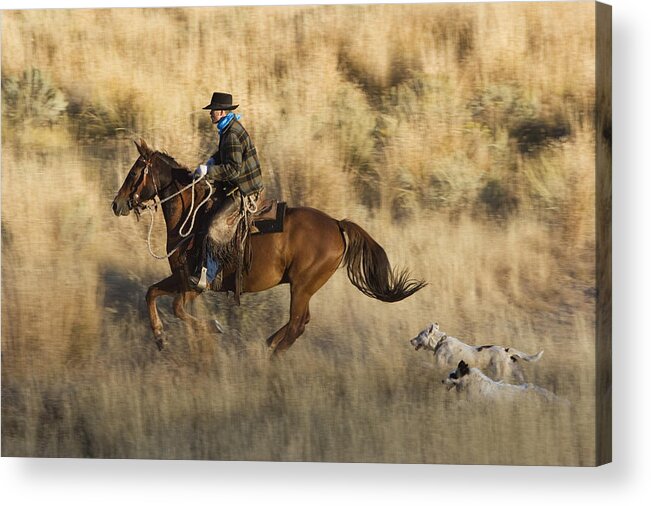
(167, 286)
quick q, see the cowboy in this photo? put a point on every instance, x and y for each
(235, 163)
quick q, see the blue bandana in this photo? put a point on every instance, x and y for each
(223, 123)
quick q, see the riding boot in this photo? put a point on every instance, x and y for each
(199, 280)
(210, 274)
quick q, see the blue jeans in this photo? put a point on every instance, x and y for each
(212, 266)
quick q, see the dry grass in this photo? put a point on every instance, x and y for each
(416, 140)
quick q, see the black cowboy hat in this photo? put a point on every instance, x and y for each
(221, 102)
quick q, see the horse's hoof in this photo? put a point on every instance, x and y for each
(276, 353)
(274, 347)
(160, 342)
(218, 326)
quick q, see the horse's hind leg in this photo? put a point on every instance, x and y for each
(299, 312)
(276, 336)
(179, 310)
(167, 286)
(179, 303)
(307, 275)
(299, 316)
(294, 332)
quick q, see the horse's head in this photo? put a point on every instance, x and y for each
(139, 186)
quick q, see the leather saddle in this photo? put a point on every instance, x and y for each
(269, 218)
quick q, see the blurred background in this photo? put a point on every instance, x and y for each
(462, 137)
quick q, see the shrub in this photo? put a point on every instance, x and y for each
(500, 105)
(356, 72)
(96, 121)
(355, 129)
(533, 134)
(367, 181)
(32, 98)
(410, 96)
(497, 199)
(403, 203)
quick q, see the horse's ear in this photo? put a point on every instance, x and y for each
(143, 149)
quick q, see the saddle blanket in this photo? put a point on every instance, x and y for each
(270, 218)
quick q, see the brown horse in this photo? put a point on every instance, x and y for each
(306, 254)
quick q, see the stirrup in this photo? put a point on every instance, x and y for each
(202, 284)
(196, 281)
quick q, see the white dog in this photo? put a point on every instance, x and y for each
(477, 386)
(498, 362)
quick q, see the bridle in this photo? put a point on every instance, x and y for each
(137, 205)
(134, 201)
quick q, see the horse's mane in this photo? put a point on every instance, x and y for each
(169, 160)
(163, 155)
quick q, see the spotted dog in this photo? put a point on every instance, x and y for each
(477, 386)
(496, 361)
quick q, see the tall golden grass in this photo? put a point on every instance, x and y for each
(402, 118)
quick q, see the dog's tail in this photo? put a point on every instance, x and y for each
(515, 354)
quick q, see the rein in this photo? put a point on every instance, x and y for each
(153, 207)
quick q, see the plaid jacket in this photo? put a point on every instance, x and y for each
(236, 160)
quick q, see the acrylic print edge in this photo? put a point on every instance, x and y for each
(603, 203)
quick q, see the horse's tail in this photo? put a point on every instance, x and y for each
(369, 268)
